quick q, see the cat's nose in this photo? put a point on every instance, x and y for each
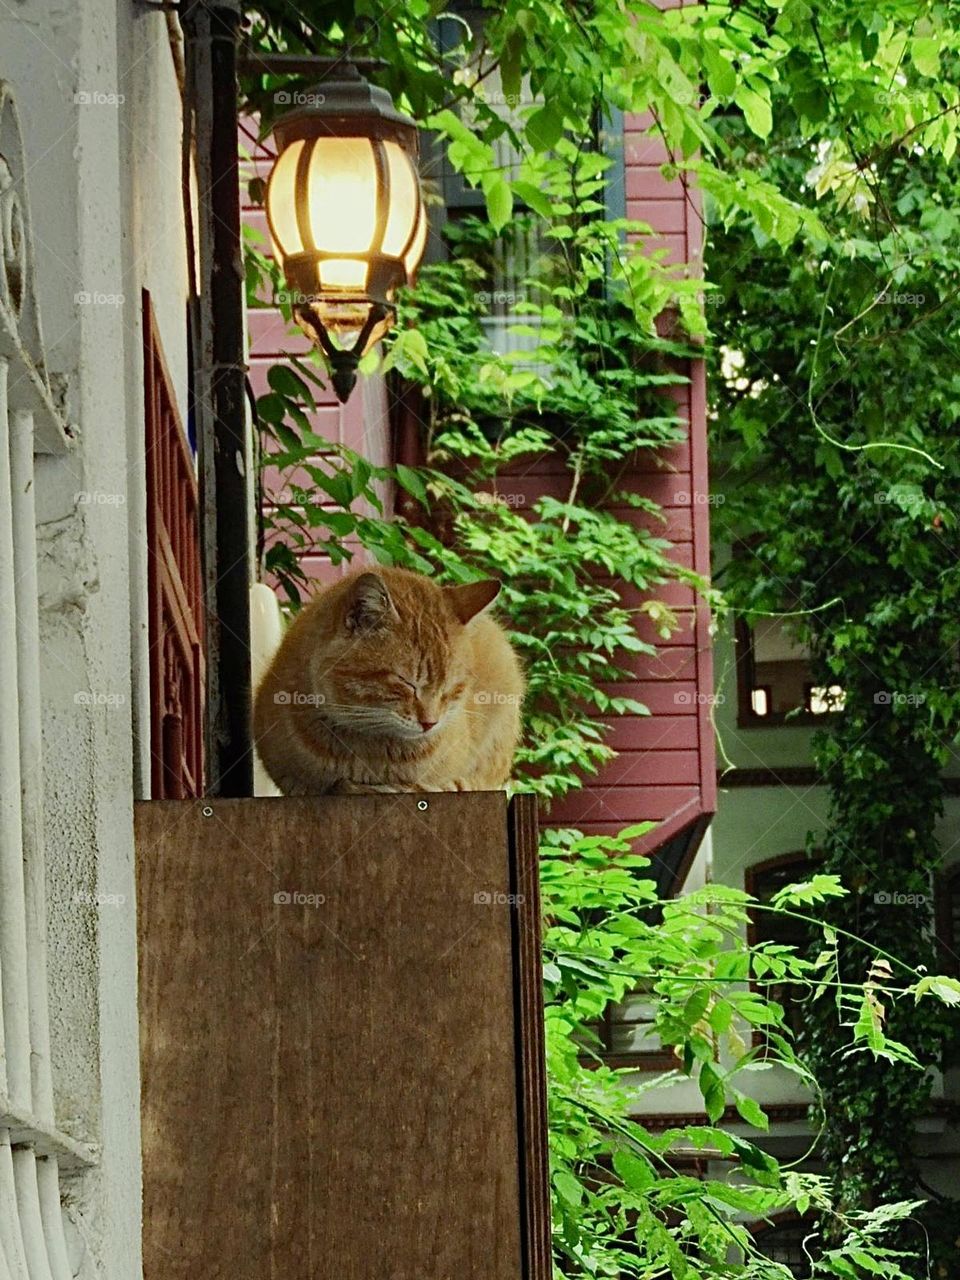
(427, 725)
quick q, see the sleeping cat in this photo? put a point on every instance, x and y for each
(389, 682)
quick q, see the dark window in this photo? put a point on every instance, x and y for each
(763, 881)
(627, 1038)
(775, 682)
(521, 252)
(783, 1242)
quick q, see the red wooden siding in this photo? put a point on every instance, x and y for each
(174, 594)
(665, 769)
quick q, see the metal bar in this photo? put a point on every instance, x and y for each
(210, 31)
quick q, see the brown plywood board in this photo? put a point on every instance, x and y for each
(329, 1084)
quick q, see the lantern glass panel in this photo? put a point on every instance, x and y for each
(415, 252)
(403, 200)
(349, 274)
(282, 202)
(342, 195)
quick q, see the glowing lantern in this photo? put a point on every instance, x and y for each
(346, 215)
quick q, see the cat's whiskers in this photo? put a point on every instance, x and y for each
(370, 720)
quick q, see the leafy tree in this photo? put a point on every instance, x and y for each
(836, 413)
(622, 1207)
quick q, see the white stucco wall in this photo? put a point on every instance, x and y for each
(95, 85)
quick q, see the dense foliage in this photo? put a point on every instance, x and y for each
(626, 1201)
(837, 408)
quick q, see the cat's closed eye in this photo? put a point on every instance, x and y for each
(387, 676)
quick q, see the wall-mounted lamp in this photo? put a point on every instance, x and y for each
(346, 215)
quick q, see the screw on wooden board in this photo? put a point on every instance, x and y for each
(422, 804)
(207, 811)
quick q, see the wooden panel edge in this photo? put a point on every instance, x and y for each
(530, 1041)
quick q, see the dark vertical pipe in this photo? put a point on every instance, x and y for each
(210, 30)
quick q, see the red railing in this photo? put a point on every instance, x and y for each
(175, 597)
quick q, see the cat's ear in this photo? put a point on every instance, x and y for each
(368, 604)
(468, 600)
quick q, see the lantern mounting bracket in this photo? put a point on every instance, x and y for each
(343, 364)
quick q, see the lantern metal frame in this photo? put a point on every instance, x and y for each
(346, 106)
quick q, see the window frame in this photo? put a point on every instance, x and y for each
(751, 876)
(778, 1222)
(746, 669)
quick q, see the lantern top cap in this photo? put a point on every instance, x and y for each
(344, 104)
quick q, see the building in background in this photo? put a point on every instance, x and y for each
(770, 801)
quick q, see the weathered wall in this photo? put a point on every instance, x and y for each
(95, 86)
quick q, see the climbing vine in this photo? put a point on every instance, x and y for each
(837, 407)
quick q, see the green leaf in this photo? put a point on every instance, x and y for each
(751, 1111)
(721, 73)
(544, 128)
(285, 382)
(568, 1187)
(511, 66)
(925, 55)
(409, 345)
(868, 1263)
(756, 109)
(499, 198)
(944, 988)
(711, 1087)
(816, 889)
(635, 1171)
(412, 481)
(533, 198)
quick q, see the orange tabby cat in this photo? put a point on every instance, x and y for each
(389, 682)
